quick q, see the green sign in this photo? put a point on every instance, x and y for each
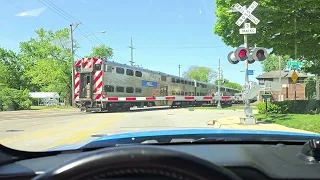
(266, 96)
(294, 63)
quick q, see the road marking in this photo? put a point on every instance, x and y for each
(41, 134)
(80, 135)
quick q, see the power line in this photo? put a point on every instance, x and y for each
(85, 28)
(64, 15)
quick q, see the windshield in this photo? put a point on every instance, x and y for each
(72, 72)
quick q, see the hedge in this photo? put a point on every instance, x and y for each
(13, 99)
(291, 107)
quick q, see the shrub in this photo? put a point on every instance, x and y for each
(13, 99)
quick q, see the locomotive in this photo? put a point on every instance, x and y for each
(106, 85)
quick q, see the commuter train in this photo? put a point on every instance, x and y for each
(107, 85)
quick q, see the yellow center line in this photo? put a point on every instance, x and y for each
(80, 135)
(46, 132)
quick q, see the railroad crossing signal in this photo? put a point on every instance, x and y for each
(242, 54)
(246, 13)
(294, 76)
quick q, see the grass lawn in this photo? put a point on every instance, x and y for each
(226, 108)
(297, 121)
(49, 107)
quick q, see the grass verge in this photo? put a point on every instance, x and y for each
(226, 108)
(50, 107)
(298, 121)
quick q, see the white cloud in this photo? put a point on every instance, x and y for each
(34, 12)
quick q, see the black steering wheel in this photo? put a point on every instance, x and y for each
(142, 162)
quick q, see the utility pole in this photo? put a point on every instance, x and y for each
(72, 60)
(280, 94)
(131, 47)
(219, 79)
(179, 69)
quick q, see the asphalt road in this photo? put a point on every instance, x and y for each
(44, 129)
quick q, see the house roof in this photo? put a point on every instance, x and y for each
(44, 95)
(284, 74)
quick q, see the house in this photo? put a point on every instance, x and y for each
(45, 98)
(270, 84)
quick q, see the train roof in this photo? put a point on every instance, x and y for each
(158, 72)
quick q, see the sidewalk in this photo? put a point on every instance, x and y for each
(233, 122)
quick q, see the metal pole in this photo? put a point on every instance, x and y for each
(219, 78)
(131, 47)
(245, 38)
(317, 88)
(179, 70)
(280, 94)
(72, 88)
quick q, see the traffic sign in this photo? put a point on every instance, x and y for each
(295, 63)
(294, 77)
(247, 29)
(266, 96)
(246, 13)
(249, 72)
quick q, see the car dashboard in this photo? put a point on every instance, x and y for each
(248, 161)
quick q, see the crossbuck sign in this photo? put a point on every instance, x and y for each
(246, 13)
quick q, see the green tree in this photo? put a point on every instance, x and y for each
(200, 73)
(310, 87)
(10, 70)
(227, 83)
(272, 63)
(102, 51)
(288, 27)
(47, 61)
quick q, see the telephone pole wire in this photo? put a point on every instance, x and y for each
(131, 47)
(72, 60)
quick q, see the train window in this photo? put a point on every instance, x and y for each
(186, 93)
(108, 88)
(181, 93)
(78, 68)
(129, 72)
(173, 80)
(129, 89)
(178, 93)
(120, 70)
(163, 78)
(107, 68)
(177, 80)
(138, 90)
(189, 83)
(190, 93)
(197, 94)
(120, 89)
(192, 83)
(182, 81)
(97, 67)
(138, 73)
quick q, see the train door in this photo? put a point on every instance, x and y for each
(164, 92)
(85, 85)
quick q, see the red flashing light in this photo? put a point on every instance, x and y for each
(260, 54)
(242, 53)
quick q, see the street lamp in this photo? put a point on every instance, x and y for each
(103, 31)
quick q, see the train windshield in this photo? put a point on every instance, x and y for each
(71, 71)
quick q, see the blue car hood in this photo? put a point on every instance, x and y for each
(181, 132)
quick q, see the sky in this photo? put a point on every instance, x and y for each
(165, 33)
